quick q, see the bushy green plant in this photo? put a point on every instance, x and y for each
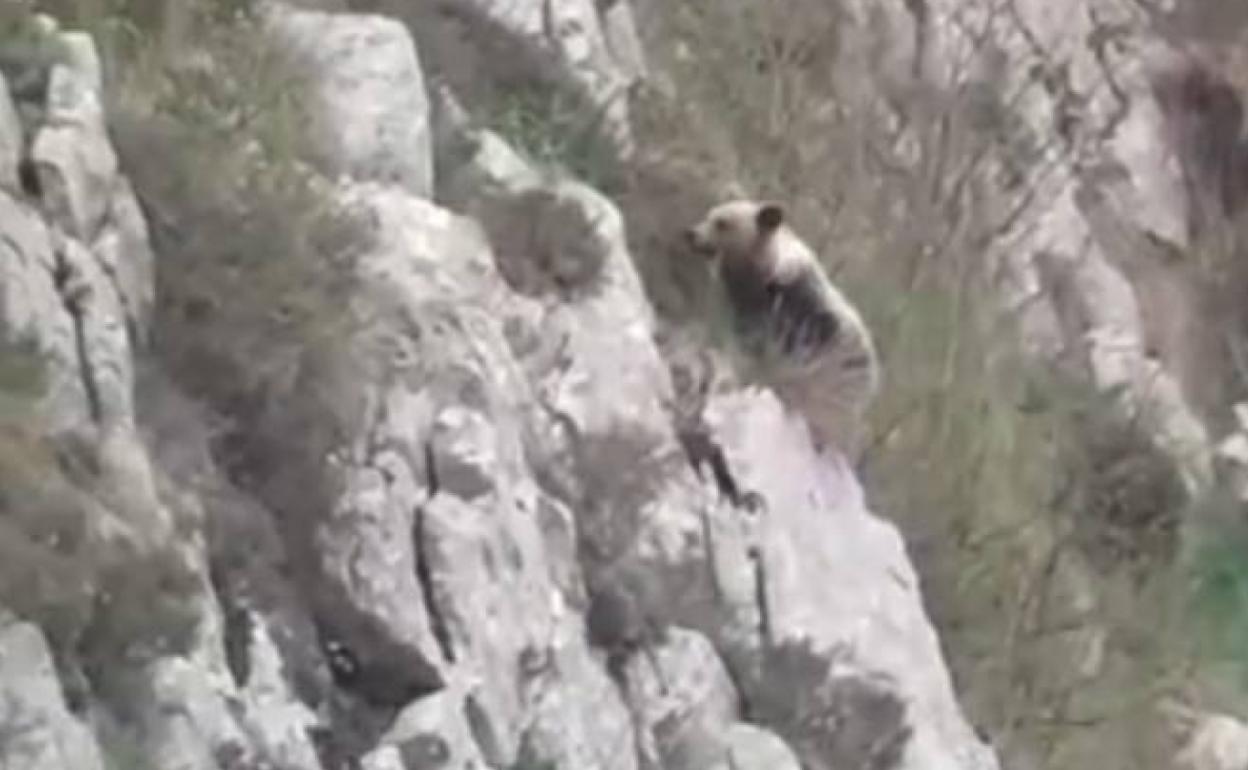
(556, 132)
(1219, 570)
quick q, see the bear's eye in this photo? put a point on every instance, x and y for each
(720, 225)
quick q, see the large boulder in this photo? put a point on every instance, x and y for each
(369, 102)
(37, 731)
(840, 614)
(73, 156)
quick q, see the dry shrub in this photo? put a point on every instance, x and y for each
(1133, 495)
(43, 529)
(209, 128)
(68, 563)
(255, 254)
(209, 119)
(254, 314)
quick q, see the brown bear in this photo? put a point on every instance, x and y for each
(810, 343)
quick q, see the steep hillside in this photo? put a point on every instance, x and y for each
(361, 406)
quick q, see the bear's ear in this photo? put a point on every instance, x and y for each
(770, 216)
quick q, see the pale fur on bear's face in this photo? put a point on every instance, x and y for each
(735, 230)
(782, 302)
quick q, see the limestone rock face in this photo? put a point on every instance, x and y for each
(402, 574)
(843, 613)
(370, 95)
(76, 164)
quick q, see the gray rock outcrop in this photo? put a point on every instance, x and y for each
(370, 97)
(37, 731)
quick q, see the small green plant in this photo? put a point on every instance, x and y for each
(555, 131)
(1219, 597)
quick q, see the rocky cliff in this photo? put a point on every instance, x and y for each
(353, 413)
(464, 528)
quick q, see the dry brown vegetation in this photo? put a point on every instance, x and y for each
(209, 120)
(251, 251)
(67, 561)
(254, 254)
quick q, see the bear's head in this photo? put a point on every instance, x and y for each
(736, 229)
